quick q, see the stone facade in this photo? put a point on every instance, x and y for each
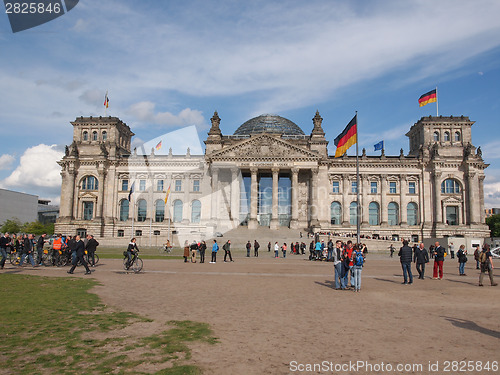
(269, 173)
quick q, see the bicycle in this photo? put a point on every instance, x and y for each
(165, 249)
(135, 263)
(86, 257)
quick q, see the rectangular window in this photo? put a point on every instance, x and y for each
(159, 185)
(412, 189)
(138, 233)
(156, 233)
(178, 185)
(335, 186)
(124, 185)
(392, 188)
(121, 233)
(452, 215)
(373, 187)
(142, 185)
(354, 187)
(88, 210)
(196, 185)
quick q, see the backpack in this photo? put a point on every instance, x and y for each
(358, 259)
(483, 257)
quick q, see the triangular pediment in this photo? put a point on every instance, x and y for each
(264, 147)
(453, 199)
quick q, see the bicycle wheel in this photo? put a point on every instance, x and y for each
(46, 260)
(14, 259)
(96, 257)
(137, 265)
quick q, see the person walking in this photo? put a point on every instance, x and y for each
(80, 251)
(462, 259)
(203, 248)
(276, 249)
(405, 257)
(248, 246)
(486, 260)
(39, 247)
(4, 241)
(256, 246)
(215, 248)
(392, 249)
(91, 248)
(194, 249)
(439, 252)
(227, 251)
(421, 257)
(358, 260)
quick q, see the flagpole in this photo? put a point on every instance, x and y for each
(437, 106)
(133, 214)
(358, 208)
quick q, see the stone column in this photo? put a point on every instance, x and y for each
(67, 193)
(345, 200)
(295, 197)
(481, 199)
(314, 198)
(274, 215)
(438, 210)
(100, 193)
(254, 193)
(473, 211)
(383, 200)
(403, 201)
(215, 193)
(235, 195)
(364, 199)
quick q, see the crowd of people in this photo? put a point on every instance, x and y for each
(27, 248)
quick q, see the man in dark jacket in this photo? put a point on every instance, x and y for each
(91, 248)
(438, 261)
(80, 251)
(405, 256)
(256, 246)
(4, 241)
(39, 247)
(28, 250)
(420, 257)
(227, 251)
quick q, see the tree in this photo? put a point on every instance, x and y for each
(11, 226)
(38, 228)
(494, 223)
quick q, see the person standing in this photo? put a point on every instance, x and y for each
(348, 264)
(439, 252)
(392, 249)
(269, 247)
(4, 241)
(486, 261)
(276, 249)
(215, 248)
(477, 253)
(194, 249)
(203, 248)
(317, 247)
(80, 251)
(248, 246)
(421, 257)
(256, 246)
(338, 265)
(227, 251)
(91, 248)
(405, 257)
(57, 246)
(28, 250)
(329, 256)
(358, 261)
(283, 249)
(462, 259)
(186, 251)
(39, 247)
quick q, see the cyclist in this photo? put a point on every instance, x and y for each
(131, 249)
(57, 246)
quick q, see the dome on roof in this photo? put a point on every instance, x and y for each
(269, 124)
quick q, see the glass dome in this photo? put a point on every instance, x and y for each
(269, 124)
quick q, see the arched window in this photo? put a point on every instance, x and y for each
(353, 213)
(412, 213)
(177, 211)
(90, 183)
(104, 135)
(335, 213)
(85, 135)
(446, 136)
(458, 137)
(94, 135)
(196, 212)
(450, 186)
(393, 213)
(373, 213)
(142, 209)
(436, 136)
(159, 211)
(124, 209)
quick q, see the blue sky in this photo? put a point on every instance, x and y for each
(169, 64)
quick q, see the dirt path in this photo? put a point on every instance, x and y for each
(270, 312)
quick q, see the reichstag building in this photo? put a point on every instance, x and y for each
(270, 173)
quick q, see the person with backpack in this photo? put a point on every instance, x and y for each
(227, 251)
(358, 260)
(485, 258)
(405, 257)
(462, 259)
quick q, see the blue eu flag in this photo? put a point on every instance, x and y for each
(379, 146)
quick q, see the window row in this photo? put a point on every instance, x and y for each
(159, 211)
(160, 185)
(393, 217)
(457, 136)
(374, 187)
(94, 135)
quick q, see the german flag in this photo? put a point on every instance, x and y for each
(429, 97)
(347, 138)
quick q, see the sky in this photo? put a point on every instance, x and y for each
(169, 64)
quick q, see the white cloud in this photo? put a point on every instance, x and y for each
(6, 161)
(491, 150)
(145, 112)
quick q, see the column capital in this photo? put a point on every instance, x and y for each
(295, 170)
(254, 170)
(315, 171)
(275, 170)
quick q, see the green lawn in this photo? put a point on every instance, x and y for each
(55, 326)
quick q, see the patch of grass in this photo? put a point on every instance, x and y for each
(54, 325)
(143, 256)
